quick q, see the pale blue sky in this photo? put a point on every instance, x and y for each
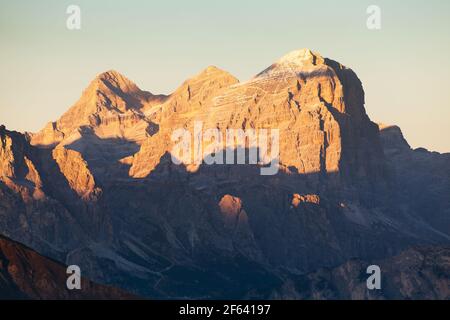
(404, 67)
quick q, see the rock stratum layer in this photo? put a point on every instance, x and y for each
(98, 188)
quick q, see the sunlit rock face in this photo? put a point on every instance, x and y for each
(314, 102)
(99, 188)
(110, 104)
(317, 104)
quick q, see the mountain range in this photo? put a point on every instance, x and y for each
(25, 274)
(97, 188)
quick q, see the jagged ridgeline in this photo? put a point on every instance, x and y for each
(97, 188)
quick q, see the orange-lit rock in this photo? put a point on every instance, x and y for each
(76, 171)
(298, 199)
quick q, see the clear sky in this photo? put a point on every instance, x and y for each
(158, 44)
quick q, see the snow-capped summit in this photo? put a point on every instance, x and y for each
(294, 62)
(300, 57)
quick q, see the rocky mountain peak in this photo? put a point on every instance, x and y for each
(211, 74)
(109, 198)
(301, 57)
(109, 98)
(294, 62)
(114, 81)
(112, 75)
(211, 70)
(392, 138)
(201, 87)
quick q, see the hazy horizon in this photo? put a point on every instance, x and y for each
(404, 67)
